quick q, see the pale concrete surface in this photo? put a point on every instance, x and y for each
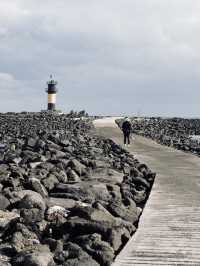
(169, 228)
(106, 122)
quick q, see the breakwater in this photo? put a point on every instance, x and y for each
(68, 196)
(180, 133)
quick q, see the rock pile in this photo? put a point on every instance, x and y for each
(67, 197)
(175, 132)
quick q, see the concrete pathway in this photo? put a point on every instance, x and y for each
(169, 228)
(106, 122)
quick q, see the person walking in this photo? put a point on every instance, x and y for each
(126, 128)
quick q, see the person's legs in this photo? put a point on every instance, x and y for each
(128, 138)
(124, 138)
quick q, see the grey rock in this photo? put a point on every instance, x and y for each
(31, 142)
(38, 187)
(34, 259)
(52, 146)
(65, 203)
(78, 191)
(32, 200)
(50, 182)
(139, 196)
(59, 154)
(98, 214)
(6, 220)
(114, 232)
(115, 192)
(4, 260)
(62, 177)
(31, 216)
(101, 164)
(100, 250)
(74, 255)
(72, 176)
(40, 144)
(140, 181)
(100, 191)
(47, 166)
(24, 240)
(117, 237)
(77, 166)
(16, 196)
(128, 213)
(34, 164)
(4, 203)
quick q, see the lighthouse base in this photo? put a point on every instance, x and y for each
(51, 107)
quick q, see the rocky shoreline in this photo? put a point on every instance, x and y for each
(68, 196)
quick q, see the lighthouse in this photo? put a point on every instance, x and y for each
(51, 90)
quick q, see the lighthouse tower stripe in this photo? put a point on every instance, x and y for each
(52, 98)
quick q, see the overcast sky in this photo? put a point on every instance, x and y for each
(108, 56)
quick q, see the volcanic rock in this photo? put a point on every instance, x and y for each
(4, 203)
(50, 182)
(32, 200)
(100, 250)
(61, 184)
(73, 255)
(128, 213)
(34, 259)
(77, 166)
(7, 219)
(38, 187)
(72, 176)
(24, 239)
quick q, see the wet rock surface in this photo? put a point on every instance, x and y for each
(67, 196)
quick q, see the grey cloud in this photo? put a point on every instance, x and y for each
(110, 57)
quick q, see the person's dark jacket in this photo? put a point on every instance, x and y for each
(126, 127)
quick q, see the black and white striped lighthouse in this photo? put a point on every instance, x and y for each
(51, 90)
